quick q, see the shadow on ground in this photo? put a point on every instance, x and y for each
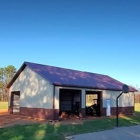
(43, 130)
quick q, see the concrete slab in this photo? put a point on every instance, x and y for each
(120, 133)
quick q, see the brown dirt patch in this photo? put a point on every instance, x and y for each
(11, 120)
(7, 120)
(3, 110)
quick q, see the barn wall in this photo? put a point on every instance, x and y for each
(35, 91)
(125, 100)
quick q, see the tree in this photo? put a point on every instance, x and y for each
(6, 74)
(9, 72)
(137, 95)
(1, 79)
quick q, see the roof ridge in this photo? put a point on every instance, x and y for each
(95, 73)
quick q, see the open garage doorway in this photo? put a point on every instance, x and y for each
(93, 103)
(70, 103)
(15, 102)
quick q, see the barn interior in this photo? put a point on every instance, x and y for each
(15, 102)
(93, 103)
(69, 104)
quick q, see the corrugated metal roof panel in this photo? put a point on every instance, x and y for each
(67, 77)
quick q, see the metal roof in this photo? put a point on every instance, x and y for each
(72, 78)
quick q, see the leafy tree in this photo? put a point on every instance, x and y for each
(1, 79)
(6, 74)
(9, 72)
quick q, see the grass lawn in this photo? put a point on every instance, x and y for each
(3, 105)
(58, 132)
(137, 107)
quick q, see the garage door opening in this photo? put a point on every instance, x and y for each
(93, 103)
(69, 104)
(15, 102)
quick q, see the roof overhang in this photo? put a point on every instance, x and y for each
(96, 88)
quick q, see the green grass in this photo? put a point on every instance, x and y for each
(53, 132)
(137, 107)
(58, 132)
(3, 105)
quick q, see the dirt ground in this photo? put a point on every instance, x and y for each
(7, 120)
(3, 111)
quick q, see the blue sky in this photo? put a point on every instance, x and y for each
(100, 36)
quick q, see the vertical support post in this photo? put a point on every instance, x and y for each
(101, 102)
(117, 111)
(53, 112)
(56, 103)
(11, 102)
(82, 104)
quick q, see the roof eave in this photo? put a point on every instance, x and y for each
(88, 87)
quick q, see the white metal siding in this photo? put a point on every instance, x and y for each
(35, 91)
(124, 101)
(56, 105)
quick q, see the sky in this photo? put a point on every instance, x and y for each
(99, 36)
